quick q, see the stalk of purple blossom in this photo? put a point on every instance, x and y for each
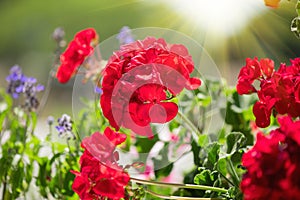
(125, 36)
(50, 120)
(16, 81)
(65, 128)
(58, 36)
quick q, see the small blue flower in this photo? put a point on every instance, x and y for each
(16, 81)
(65, 128)
(98, 90)
(18, 84)
(125, 36)
(30, 89)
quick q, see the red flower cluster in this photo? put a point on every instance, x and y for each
(100, 176)
(279, 90)
(140, 79)
(78, 49)
(273, 164)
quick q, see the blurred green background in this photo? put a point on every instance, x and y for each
(26, 28)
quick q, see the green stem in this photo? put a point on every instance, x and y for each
(203, 113)
(4, 186)
(190, 125)
(46, 91)
(178, 197)
(229, 181)
(186, 186)
(235, 176)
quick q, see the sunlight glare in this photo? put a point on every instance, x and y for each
(224, 17)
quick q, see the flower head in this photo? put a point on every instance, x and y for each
(79, 48)
(30, 89)
(140, 80)
(279, 90)
(273, 164)
(18, 84)
(65, 127)
(100, 176)
(16, 81)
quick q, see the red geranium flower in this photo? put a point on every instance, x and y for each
(279, 90)
(273, 164)
(140, 79)
(100, 176)
(78, 49)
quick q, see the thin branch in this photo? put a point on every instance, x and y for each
(186, 186)
(178, 197)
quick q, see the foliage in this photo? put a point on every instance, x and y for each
(218, 147)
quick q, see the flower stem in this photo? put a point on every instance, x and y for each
(4, 186)
(178, 197)
(186, 186)
(235, 177)
(47, 91)
(190, 125)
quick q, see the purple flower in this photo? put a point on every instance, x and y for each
(18, 84)
(65, 127)
(125, 36)
(16, 80)
(98, 90)
(30, 89)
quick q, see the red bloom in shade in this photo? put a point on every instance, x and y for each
(140, 79)
(273, 164)
(262, 113)
(100, 176)
(78, 49)
(279, 90)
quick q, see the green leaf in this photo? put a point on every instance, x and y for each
(212, 154)
(203, 178)
(204, 100)
(234, 141)
(203, 140)
(144, 145)
(163, 172)
(42, 176)
(16, 179)
(222, 166)
(68, 181)
(173, 125)
(196, 153)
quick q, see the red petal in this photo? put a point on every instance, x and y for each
(64, 74)
(152, 93)
(267, 66)
(262, 114)
(244, 86)
(193, 83)
(163, 112)
(114, 137)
